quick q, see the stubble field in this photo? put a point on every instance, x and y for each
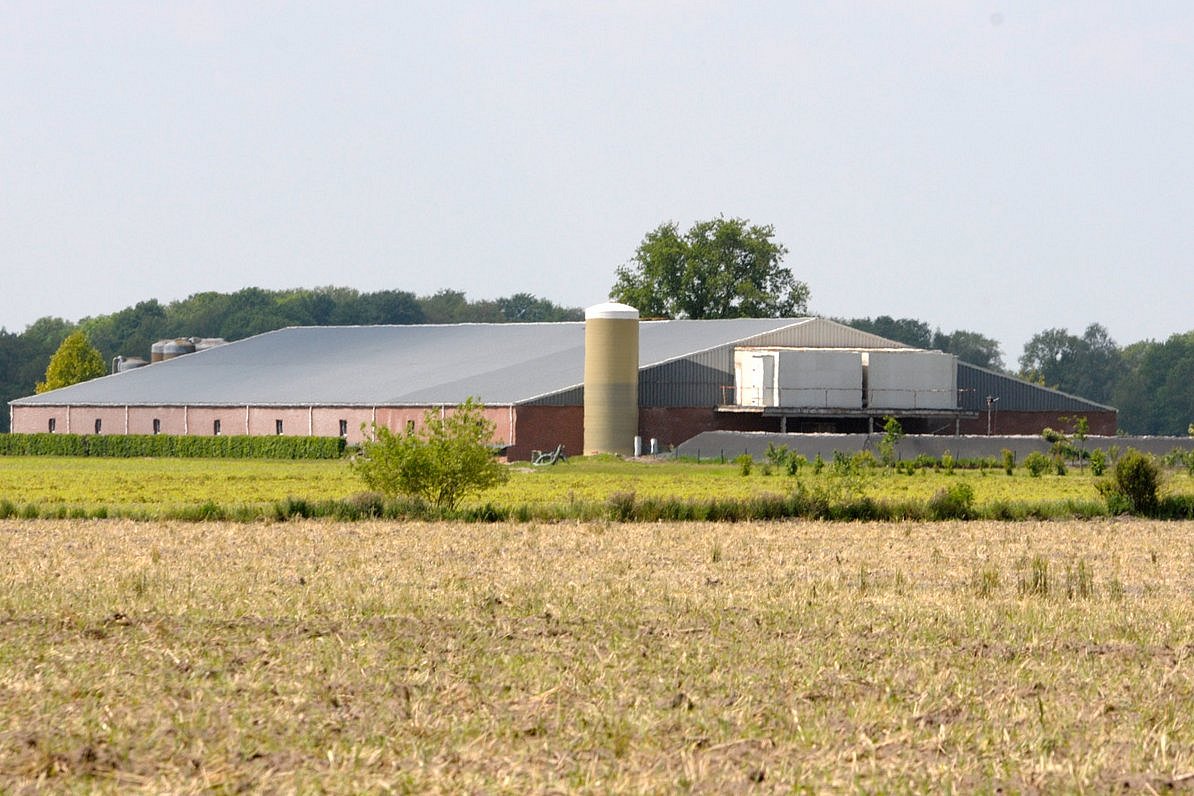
(596, 657)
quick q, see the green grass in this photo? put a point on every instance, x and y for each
(596, 657)
(63, 487)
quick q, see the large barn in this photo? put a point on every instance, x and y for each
(787, 374)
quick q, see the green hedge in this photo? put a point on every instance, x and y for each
(165, 445)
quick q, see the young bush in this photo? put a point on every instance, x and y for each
(440, 463)
(1098, 462)
(1137, 477)
(893, 432)
(1009, 460)
(745, 463)
(1037, 463)
(953, 503)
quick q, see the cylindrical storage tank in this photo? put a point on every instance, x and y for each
(204, 343)
(611, 378)
(176, 348)
(129, 363)
(155, 350)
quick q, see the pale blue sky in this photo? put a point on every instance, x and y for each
(1000, 166)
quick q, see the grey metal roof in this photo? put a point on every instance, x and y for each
(1015, 394)
(399, 365)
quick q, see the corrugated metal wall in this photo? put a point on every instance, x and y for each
(975, 384)
(820, 333)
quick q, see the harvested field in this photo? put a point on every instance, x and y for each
(596, 657)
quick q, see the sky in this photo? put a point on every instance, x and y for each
(1003, 167)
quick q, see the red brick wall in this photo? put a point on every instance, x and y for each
(201, 420)
(1101, 423)
(82, 419)
(327, 422)
(296, 421)
(171, 419)
(36, 419)
(544, 427)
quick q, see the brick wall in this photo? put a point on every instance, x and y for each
(1101, 423)
(545, 427)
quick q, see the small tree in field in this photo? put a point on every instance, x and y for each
(441, 462)
(76, 360)
(893, 432)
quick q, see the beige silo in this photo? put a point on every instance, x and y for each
(611, 379)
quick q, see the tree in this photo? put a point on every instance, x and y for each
(724, 268)
(444, 306)
(443, 461)
(908, 331)
(893, 432)
(75, 360)
(1154, 394)
(970, 347)
(1087, 366)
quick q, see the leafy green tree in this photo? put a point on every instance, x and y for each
(893, 432)
(445, 306)
(724, 268)
(525, 308)
(970, 347)
(76, 360)
(1155, 393)
(1086, 366)
(908, 331)
(440, 463)
(130, 331)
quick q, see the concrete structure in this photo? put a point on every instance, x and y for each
(692, 376)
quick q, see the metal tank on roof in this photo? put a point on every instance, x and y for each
(611, 378)
(204, 343)
(176, 348)
(121, 364)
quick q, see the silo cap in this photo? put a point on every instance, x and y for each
(611, 309)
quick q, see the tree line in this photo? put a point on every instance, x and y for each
(130, 332)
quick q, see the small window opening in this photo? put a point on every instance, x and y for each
(215, 427)
(99, 424)
(53, 424)
(344, 428)
(157, 425)
(278, 426)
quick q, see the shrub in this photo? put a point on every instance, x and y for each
(953, 503)
(168, 445)
(778, 456)
(1137, 477)
(446, 459)
(1009, 460)
(621, 506)
(745, 463)
(1098, 462)
(1037, 463)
